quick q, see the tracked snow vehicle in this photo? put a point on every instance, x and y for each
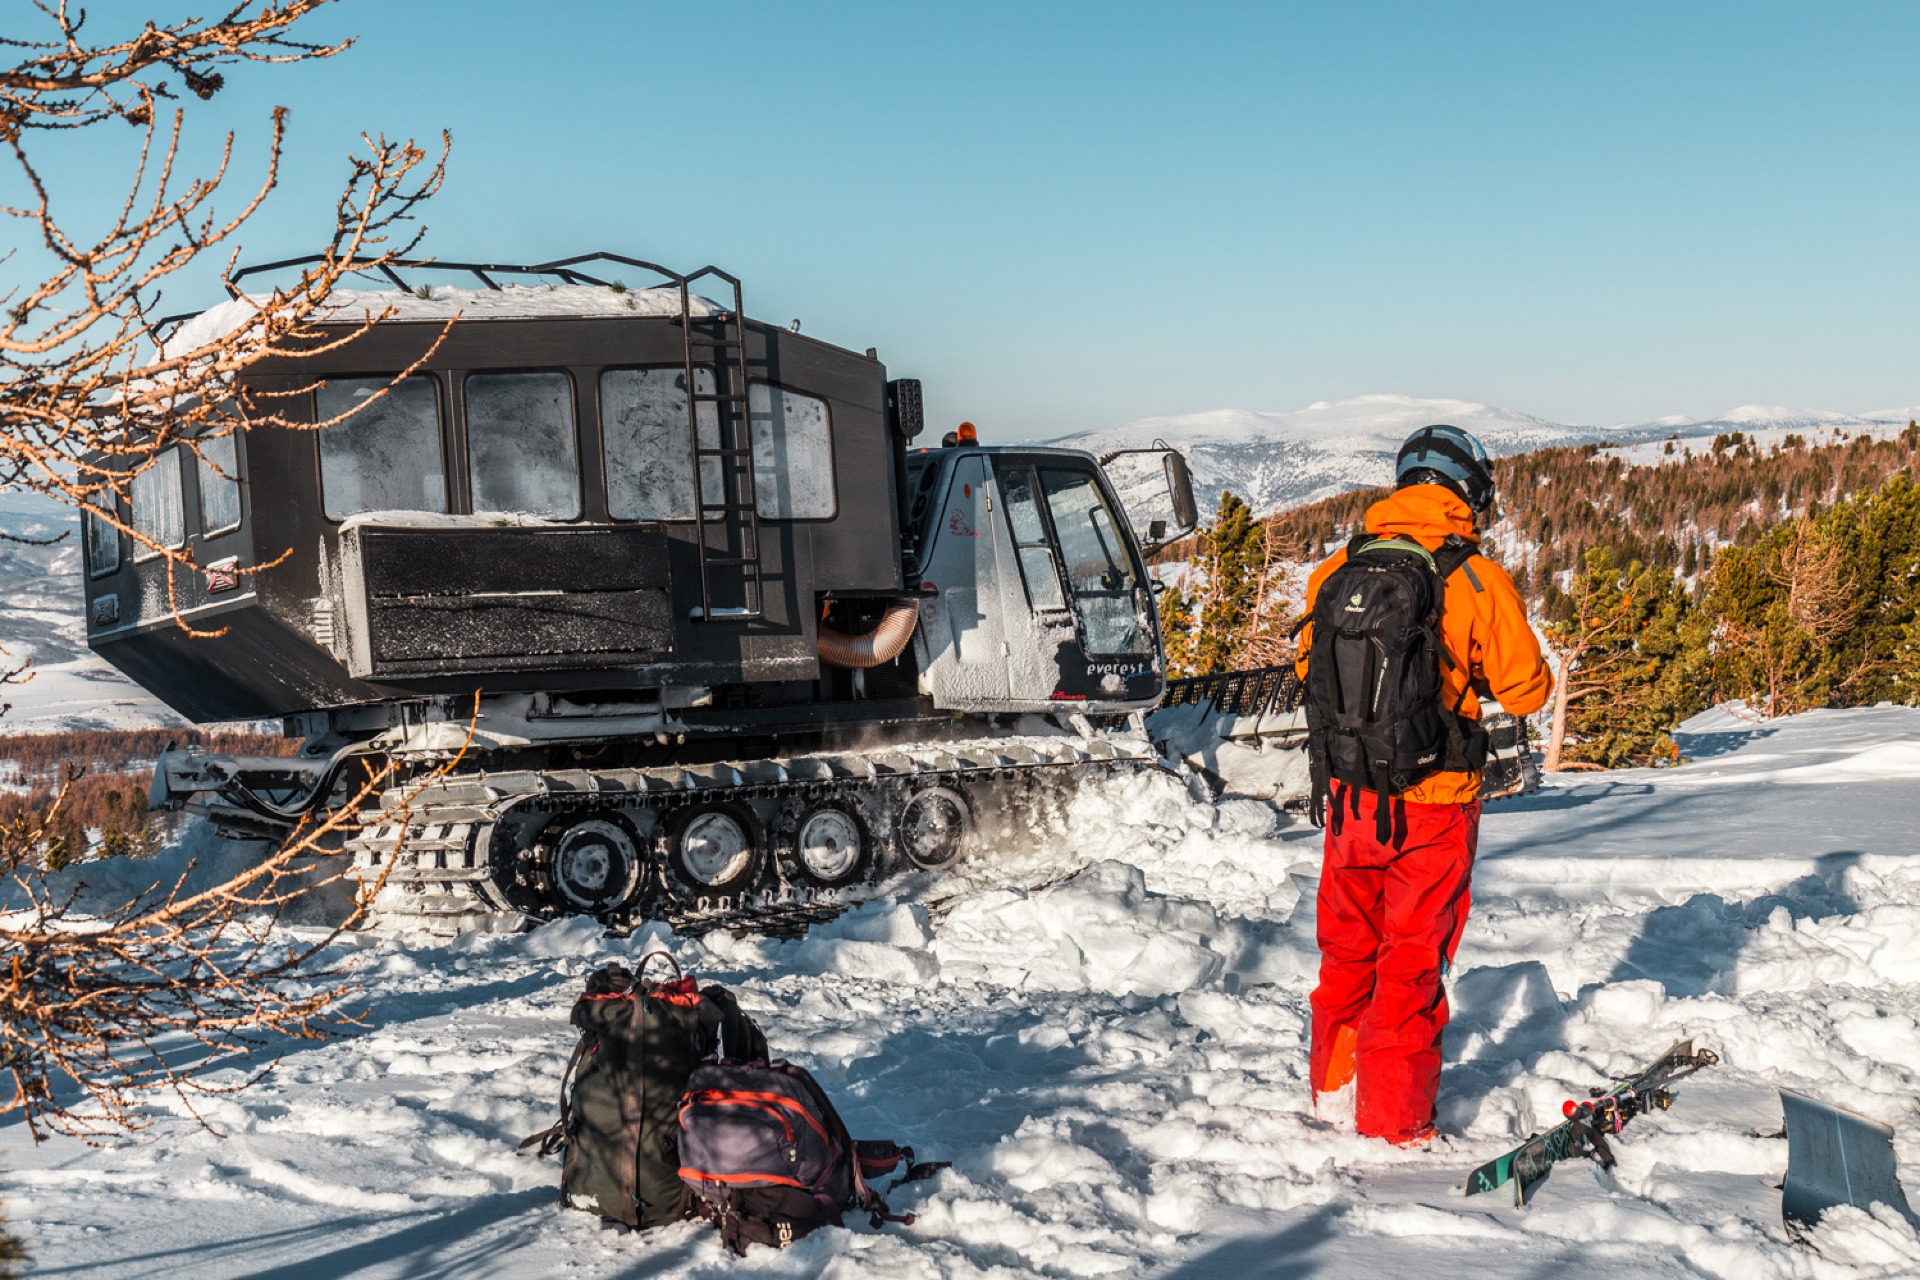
(705, 632)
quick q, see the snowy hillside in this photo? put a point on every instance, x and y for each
(41, 620)
(1283, 459)
(1113, 1058)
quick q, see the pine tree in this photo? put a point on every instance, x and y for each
(1177, 628)
(1208, 622)
(1823, 610)
(1631, 654)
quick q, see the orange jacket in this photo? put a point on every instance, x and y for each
(1484, 629)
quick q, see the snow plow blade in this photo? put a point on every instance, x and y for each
(1835, 1157)
(1245, 732)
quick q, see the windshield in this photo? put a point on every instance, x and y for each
(1099, 570)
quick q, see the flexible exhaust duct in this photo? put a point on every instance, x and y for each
(882, 644)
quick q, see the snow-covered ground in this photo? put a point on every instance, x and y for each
(1113, 1058)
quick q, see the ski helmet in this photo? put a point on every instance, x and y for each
(1446, 455)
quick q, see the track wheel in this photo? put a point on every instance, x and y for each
(933, 827)
(831, 846)
(715, 850)
(593, 862)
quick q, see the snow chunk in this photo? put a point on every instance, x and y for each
(1099, 931)
(880, 942)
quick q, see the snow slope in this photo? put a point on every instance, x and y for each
(1279, 460)
(1113, 1057)
(41, 621)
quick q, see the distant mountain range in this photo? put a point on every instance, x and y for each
(1276, 460)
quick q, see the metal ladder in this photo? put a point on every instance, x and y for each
(727, 525)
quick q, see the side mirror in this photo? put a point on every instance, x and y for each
(1145, 510)
(1180, 490)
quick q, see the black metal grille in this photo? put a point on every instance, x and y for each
(1254, 692)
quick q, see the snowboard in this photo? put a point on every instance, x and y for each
(1588, 1124)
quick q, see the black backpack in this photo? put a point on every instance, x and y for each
(1376, 719)
(620, 1094)
(769, 1160)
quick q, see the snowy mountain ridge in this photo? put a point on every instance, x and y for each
(1283, 459)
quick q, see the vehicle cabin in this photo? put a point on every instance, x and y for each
(520, 512)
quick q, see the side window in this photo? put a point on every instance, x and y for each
(1099, 569)
(792, 454)
(643, 426)
(219, 468)
(103, 542)
(520, 444)
(386, 457)
(159, 509)
(1030, 539)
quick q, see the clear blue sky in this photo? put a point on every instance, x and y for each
(1064, 216)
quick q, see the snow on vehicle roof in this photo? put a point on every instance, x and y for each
(441, 303)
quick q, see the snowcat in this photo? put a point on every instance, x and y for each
(657, 611)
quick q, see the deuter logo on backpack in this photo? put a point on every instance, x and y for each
(1376, 715)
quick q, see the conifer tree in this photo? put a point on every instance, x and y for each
(1823, 610)
(1209, 619)
(1630, 655)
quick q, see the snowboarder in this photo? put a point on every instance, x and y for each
(1396, 771)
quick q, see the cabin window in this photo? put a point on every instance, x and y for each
(219, 471)
(649, 459)
(386, 457)
(103, 541)
(1030, 540)
(159, 509)
(1099, 570)
(792, 454)
(521, 454)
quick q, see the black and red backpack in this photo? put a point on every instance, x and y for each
(768, 1159)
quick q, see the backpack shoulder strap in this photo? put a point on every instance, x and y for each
(554, 1136)
(1457, 553)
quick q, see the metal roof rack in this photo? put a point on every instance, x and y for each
(564, 268)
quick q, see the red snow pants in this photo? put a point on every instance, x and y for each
(1390, 918)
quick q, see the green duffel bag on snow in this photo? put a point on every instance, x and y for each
(620, 1094)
